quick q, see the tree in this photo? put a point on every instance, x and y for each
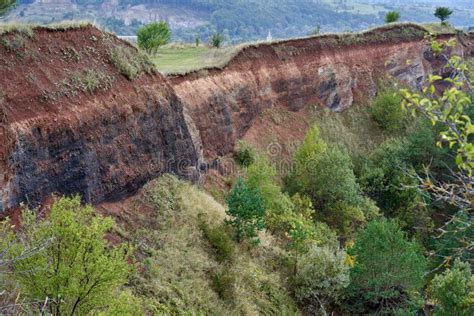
(321, 276)
(453, 291)
(150, 37)
(386, 111)
(247, 211)
(78, 273)
(392, 16)
(443, 13)
(216, 40)
(451, 111)
(388, 269)
(5, 4)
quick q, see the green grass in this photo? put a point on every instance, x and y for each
(182, 59)
(178, 59)
(440, 29)
(188, 270)
(27, 29)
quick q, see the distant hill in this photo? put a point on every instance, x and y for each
(240, 21)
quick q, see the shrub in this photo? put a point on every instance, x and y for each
(216, 40)
(388, 270)
(223, 283)
(150, 37)
(392, 16)
(244, 154)
(321, 276)
(387, 112)
(443, 13)
(220, 241)
(453, 291)
(77, 270)
(247, 211)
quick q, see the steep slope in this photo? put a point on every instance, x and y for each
(332, 71)
(83, 112)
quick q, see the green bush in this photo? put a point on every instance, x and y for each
(223, 283)
(76, 268)
(388, 271)
(387, 112)
(216, 40)
(220, 241)
(453, 291)
(321, 276)
(246, 209)
(244, 154)
(392, 16)
(150, 37)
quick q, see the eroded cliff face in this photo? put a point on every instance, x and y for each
(330, 71)
(71, 122)
(83, 112)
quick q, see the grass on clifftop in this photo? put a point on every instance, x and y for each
(176, 59)
(183, 58)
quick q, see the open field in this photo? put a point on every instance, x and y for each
(183, 58)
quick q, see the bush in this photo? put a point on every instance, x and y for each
(321, 276)
(388, 270)
(387, 112)
(76, 269)
(392, 16)
(220, 241)
(244, 154)
(247, 211)
(216, 40)
(223, 283)
(150, 37)
(453, 291)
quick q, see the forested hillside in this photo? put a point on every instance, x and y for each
(242, 20)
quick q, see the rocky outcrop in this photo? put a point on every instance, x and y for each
(333, 71)
(71, 122)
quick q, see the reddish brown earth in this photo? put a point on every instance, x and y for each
(103, 144)
(331, 71)
(59, 135)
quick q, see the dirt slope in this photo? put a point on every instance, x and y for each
(72, 122)
(83, 112)
(332, 71)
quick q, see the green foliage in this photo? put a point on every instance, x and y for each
(387, 112)
(216, 40)
(388, 269)
(181, 272)
(77, 270)
(247, 211)
(261, 175)
(452, 243)
(385, 177)
(220, 241)
(321, 276)
(449, 110)
(392, 16)
(5, 4)
(150, 37)
(453, 291)
(244, 154)
(443, 13)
